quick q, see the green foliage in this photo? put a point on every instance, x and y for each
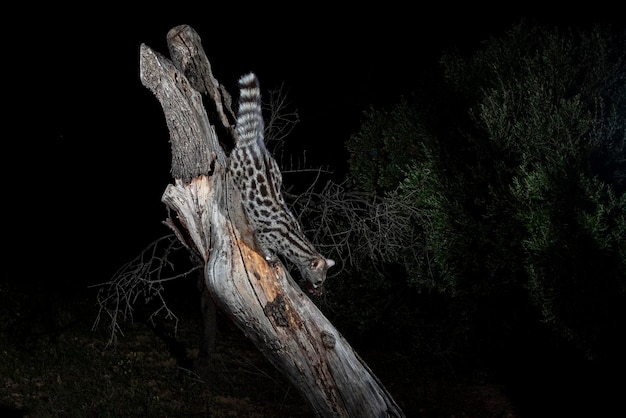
(386, 143)
(527, 189)
(441, 212)
(540, 109)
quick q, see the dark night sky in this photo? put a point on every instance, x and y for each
(91, 142)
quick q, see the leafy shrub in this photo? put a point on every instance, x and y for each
(517, 175)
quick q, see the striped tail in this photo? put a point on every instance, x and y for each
(249, 116)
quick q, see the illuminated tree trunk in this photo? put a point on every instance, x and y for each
(263, 301)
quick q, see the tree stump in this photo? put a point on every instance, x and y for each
(206, 215)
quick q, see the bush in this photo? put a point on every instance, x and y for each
(524, 190)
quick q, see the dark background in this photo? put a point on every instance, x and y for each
(87, 157)
(88, 153)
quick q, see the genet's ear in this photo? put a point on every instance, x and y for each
(317, 264)
(330, 263)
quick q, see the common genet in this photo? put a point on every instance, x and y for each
(257, 176)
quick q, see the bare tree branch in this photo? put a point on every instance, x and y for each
(281, 120)
(141, 278)
(363, 229)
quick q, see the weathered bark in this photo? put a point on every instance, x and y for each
(208, 310)
(264, 302)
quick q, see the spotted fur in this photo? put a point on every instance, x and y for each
(258, 177)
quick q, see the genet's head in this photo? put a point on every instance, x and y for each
(315, 273)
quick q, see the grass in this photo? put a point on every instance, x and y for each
(53, 364)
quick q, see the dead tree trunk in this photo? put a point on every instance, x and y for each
(264, 302)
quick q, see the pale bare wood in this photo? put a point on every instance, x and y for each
(262, 300)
